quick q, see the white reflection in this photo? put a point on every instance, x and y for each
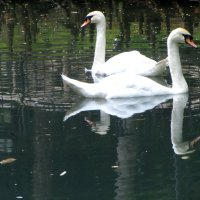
(122, 108)
(180, 146)
(102, 126)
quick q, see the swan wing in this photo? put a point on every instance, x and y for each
(133, 62)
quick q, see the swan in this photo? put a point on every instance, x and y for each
(132, 61)
(126, 85)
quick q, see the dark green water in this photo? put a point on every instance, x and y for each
(105, 149)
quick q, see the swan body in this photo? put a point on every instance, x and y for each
(126, 85)
(133, 62)
(123, 85)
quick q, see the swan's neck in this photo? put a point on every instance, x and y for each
(99, 55)
(179, 84)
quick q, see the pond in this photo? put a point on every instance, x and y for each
(55, 144)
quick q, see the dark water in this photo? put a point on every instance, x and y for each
(104, 150)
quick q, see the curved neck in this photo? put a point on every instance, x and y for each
(179, 84)
(99, 54)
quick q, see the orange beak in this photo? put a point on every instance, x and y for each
(190, 42)
(86, 22)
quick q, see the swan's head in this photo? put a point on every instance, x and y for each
(95, 17)
(181, 35)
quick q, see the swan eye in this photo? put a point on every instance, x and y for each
(187, 37)
(88, 18)
(87, 21)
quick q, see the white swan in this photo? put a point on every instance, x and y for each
(131, 61)
(128, 85)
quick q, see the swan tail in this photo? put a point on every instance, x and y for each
(82, 88)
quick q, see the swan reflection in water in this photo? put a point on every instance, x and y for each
(127, 107)
(184, 168)
(180, 146)
(122, 108)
